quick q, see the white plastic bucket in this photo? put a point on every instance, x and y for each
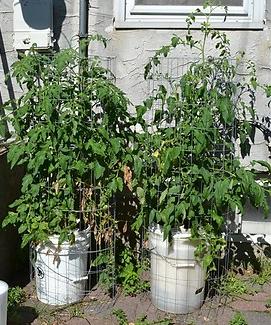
(177, 279)
(3, 302)
(61, 274)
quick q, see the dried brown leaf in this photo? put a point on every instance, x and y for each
(125, 227)
(127, 176)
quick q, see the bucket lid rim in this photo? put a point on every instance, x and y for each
(81, 236)
(3, 287)
(176, 233)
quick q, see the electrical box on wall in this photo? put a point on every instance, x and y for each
(33, 23)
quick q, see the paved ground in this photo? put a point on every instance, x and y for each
(96, 309)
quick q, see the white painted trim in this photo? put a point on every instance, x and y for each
(119, 10)
(127, 15)
(169, 10)
(183, 25)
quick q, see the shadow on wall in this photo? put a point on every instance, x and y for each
(37, 21)
(4, 63)
(60, 12)
(10, 181)
(9, 185)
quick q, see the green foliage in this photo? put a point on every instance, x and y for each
(105, 261)
(233, 285)
(186, 171)
(76, 311)
(121, 316)
(191, 322)
(268, 303)
(72, 131)
(16, 296)
(127, 271)
(129, 274)
(264, 276)
(238, 319)
(123, 320)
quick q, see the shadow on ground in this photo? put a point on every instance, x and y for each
(22, 315)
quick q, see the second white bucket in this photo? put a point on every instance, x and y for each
(3, 302)
(61, 273)
(177, 279)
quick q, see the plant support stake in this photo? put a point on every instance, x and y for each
(83, 28)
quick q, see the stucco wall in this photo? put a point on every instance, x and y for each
(130, 49)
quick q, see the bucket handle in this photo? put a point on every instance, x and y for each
(177, 265)
(182, 265)
(83, 278)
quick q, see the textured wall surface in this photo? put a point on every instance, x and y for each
(129, 50)
(132, 48)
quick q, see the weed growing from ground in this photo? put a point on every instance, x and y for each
(123, 320)
(264, 276)
(268, 303)
(121, 316)
(238, 319)
(234, 286)
(129, 274)
(76, 311)
(191, 322)
(16, 296)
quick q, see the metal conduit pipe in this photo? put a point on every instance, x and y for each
(83, 27)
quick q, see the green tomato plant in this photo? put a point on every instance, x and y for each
(186, 168)
(72, 133)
